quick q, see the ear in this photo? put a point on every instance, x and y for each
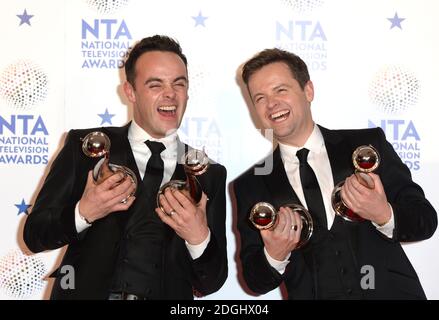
(129, 92)
(309, 91)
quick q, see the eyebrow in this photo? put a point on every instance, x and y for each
(153, 79)
(274, 89)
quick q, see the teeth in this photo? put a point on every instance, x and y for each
(167, 108)
(279, 114)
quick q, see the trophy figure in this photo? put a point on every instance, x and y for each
(264, 216)
(195, 163)
(365, 159)
(97, 144)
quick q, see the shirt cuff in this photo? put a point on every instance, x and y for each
(280, 266)
(196, 250)
(387, 228)
(80, 222)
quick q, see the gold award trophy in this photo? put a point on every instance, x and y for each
(365, 159)
(195, 163)
(97, 144)
(264, 216)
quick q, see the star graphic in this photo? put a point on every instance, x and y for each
(106, 117)
(22, 207)
(24, 18)
(396, 21)
(199, 20)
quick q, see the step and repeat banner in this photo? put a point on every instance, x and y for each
(373, 63)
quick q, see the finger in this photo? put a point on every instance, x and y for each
(203, 201)
(378, 183)
(346, 197)
(111, 181)
(166, 219)
(365, 180)
(286, 220)
(123, 187)
(123, 206)
(90, 180)
(170, 195)
(182, 199)
(165, 205)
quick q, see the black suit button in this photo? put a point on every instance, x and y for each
(337, 253)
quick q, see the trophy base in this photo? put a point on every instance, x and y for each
(192, 192)
(103, 170)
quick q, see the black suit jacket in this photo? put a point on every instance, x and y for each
(93, 253)
(415, 219)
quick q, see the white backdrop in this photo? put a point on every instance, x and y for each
(373, 63)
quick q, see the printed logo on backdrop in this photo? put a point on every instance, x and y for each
(23, 135)
(105, 42)
(305, 37)
(394, 90)
(202, 132)
(21, 276)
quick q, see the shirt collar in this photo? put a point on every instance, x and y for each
(136, 134)
(314, 144)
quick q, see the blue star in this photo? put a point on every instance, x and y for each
(22, 207)
(199, 20)
(106, 117)
(396, 21)
(24, 18)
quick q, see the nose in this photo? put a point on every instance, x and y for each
(169, 92)
(271, 102)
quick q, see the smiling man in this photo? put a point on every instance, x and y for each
(120, 246)
(342, 260)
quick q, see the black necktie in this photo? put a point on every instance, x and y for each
(311, 189)
(154, 168)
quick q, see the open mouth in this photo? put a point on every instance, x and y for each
(167, 111)
(279, 116)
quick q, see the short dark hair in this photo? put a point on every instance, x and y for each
(154, 43)
(297, 66)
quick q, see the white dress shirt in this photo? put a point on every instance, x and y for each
(319, 161)
(137, 137)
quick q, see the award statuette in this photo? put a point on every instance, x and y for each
(195, 163)
(97, 144)
(365, 159)
(264, 216)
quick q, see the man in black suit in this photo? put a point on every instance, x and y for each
(119, 247)
(342, 260)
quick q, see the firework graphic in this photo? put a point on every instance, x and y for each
(107, 6)
(394, 89)
(21, 276)
(23, 85)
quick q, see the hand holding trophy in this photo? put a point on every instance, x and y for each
(264, 216)
(365, 159)
(195, 163)
(97, 144)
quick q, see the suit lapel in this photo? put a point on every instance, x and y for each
(339, 154)
(120, 151)
(340, 157)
